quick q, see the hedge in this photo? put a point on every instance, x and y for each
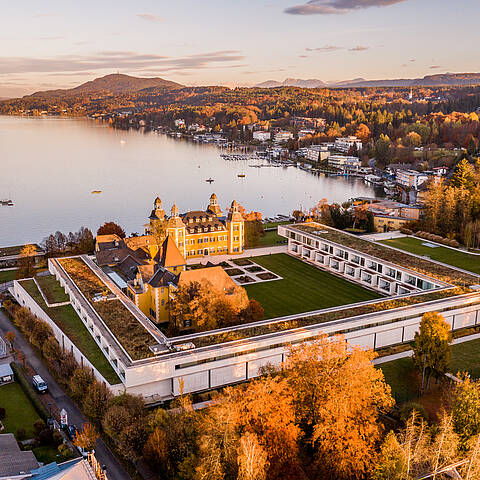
(29, 391)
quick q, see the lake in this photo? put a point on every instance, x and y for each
(49, 167)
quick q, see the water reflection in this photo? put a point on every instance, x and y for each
(49, 167)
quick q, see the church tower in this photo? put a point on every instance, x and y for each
(213, 206)
(235, 227)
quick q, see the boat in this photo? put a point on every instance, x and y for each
(96, 192)
(209, 180)
(6, 203)
(241, 175)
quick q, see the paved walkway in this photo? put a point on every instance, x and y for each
(59, 400)
(251, 252)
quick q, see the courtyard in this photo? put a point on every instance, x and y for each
(302, 287)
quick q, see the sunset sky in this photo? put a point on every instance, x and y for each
(58, 43)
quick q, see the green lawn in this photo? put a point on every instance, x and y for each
(19, 411)
(271, 238)
(303, 288)
(456, 258)
(51, 288)
(7, 276)
(46, 454)
(399, 374)
(68, 320)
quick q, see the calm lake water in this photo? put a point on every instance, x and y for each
(49, 166)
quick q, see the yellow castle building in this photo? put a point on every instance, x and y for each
(200, 233)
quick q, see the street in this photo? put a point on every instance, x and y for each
(59, 400)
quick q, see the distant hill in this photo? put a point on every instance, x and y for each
(115, 83)
(292, 82)
(442, 79)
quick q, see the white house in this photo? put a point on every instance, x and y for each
(344, 162)
(410, 178)
(261, 135)
(283, 136)
(344, 144)
(317, 153)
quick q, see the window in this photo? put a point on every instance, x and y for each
(235, 239)
(152, 313)
(200, 240)
(163, 302)
(235, 228)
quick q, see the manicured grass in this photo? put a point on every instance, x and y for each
(19, 411)
(271, 238)
(67, 319)
(7, 276)
(456, 258)
(51, 288)
(276, 224)
(303, 288)
(401, 376)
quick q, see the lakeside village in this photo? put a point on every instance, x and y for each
(128, 324)
(298, 146)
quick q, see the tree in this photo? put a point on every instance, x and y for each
(158, 229)
(431, 350)
(27, 261)
(412, 140)
(252, 459)
(81, 379)
(96, 401)
(383, 150)
(466, 409)
(263, 409)
(463, 175)
(391, 462)
(10, 337)
(363, 133)
(111, 228)
(338, 396)
(86, 437)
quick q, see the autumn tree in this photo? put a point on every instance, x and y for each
(86, 437)
(81, 379)
(202, 306)
(338, 395)
(463, 175)
(96, 400)
(466, 409)
(431, 350)
(261, 413)
(111, 228)
(27, 261)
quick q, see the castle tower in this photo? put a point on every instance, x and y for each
(176, 229)
(157, 208)
(235, 227)
(213, 206)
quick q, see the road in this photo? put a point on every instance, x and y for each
(59, 400)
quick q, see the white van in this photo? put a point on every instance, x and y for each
(39, 384)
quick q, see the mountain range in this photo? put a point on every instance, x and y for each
(442, 79)
(115, 84)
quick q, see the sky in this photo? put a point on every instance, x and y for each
(62, 43)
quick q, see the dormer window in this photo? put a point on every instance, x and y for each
(204, 219)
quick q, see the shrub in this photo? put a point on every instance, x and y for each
(45, 437)
(406, 231)
(21, 434)
(2, 413)
(453, 243)
(409, 407)
(57, 438)
(39, 426)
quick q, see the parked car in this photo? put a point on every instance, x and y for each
(39, 384)
(72, 431)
